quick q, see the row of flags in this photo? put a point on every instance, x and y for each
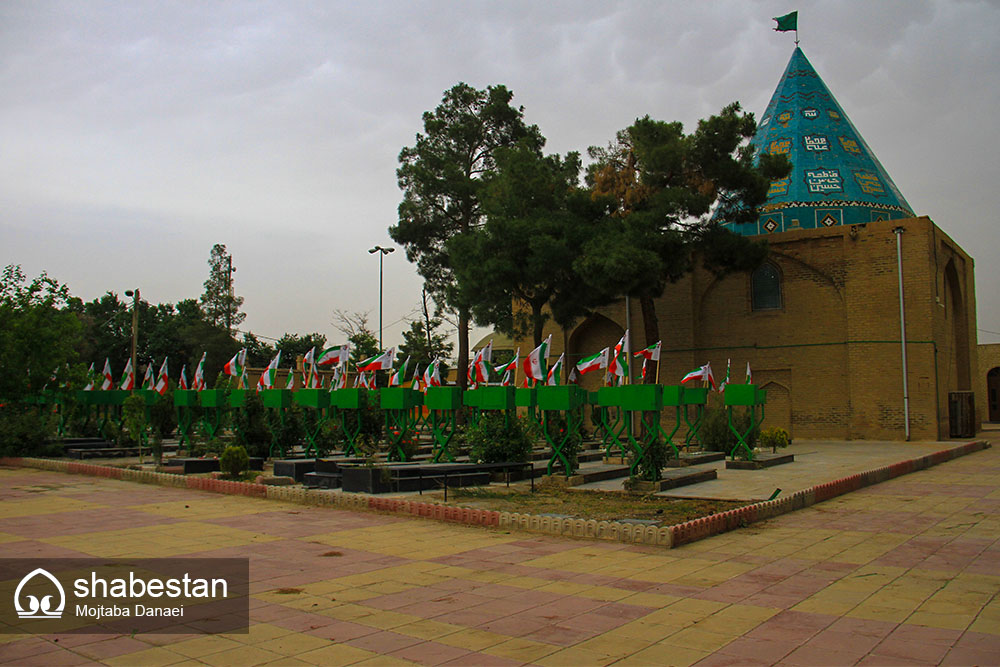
(613, 361)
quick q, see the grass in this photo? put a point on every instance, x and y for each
(598, 505)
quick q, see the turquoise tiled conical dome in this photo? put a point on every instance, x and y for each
(835, 179)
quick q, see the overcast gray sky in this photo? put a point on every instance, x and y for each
(134, 135)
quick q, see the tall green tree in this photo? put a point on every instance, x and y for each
(293, 346)
(663, 184)
(219, 302)
(38, 334)
(538, 220)
(440, 177)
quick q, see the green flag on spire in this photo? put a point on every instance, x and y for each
(787, 22)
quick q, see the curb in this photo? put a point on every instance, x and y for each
(663, 536)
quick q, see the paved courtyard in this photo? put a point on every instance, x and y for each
(905, 572)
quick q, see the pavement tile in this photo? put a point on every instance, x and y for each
(900, 573)
(431, 653)
(910, 649)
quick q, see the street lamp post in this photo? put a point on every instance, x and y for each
(135, 328)
(382, 252)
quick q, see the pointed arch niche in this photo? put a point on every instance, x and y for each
(959, 372)
(593, 335)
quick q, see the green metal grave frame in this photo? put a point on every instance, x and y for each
(527, 397)
(697, 397)
(108, 406)
(214, 406)
(568, 399)
(318, 400)
(673, 397)
(443, 404)
(349, 402)
(185, 401)
(279, 400)
(639, 399)
(610, 401)
(397, 405)
(750, 397)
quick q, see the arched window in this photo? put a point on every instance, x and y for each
(765, 287)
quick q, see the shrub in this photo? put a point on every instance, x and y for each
(163, 416)
(497, 438)
(250, 424)
(24, 431)
(571, 447)
(234, 461)
(774, 438)
(287, 432)
(715, 434)
(134, 418)
(654, 459)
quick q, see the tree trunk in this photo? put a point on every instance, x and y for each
(463, 349)
(538, 324)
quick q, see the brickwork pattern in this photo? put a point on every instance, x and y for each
(834, 345)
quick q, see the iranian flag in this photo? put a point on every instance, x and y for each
(380, 362)
(182, 381)
(593, 362)
(312, 377)
(651, 353)
(90, 378)
(234, 366)
(396, 379)
(432, 374)
(334, 356)
(290, 383)
(363, 381)
(109, 382)
(555, 373)
(161, 381)
(704, 373)
(536, 361)
(507, 371)
(483, 363)
(749, 374)
(722, 385)
(147, 379)
(339, 378)
(128, 378)
(266, 380)
(618, 363)
(199, 374)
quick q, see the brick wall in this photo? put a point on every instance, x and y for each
(834, 345)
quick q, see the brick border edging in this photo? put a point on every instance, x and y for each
(664, 536)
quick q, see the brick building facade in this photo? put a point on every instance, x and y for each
(819, 323)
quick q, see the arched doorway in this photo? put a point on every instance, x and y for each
(993, 394)
(778, 410)
(955, 311)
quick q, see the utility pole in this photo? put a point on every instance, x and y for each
(382, 253)
(135, 330)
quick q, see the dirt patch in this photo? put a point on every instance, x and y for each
(597, 505)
